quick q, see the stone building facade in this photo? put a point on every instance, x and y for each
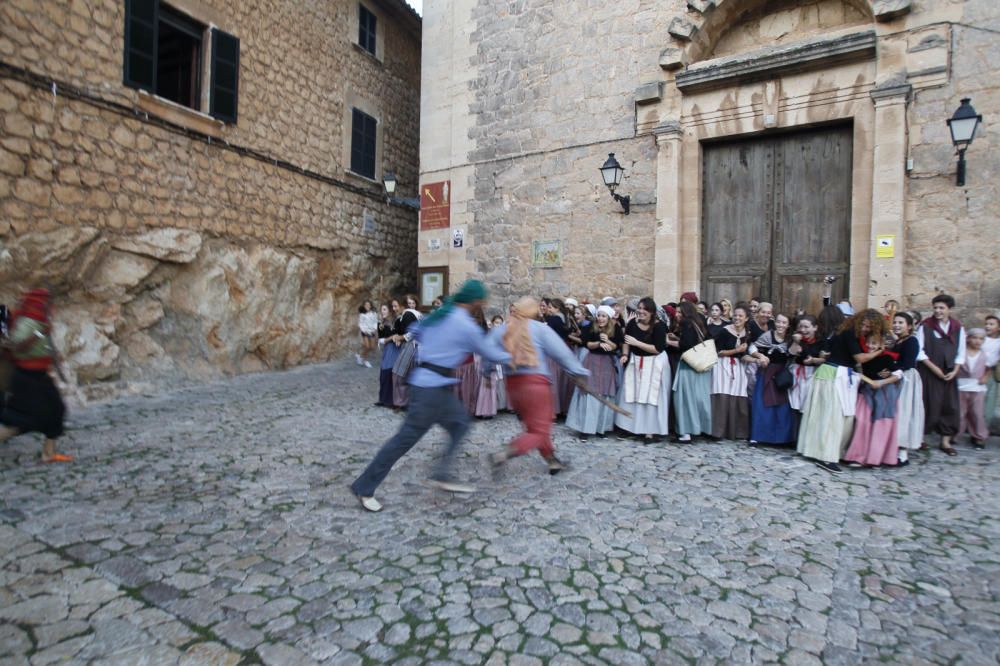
(765, 142)
(213, 218)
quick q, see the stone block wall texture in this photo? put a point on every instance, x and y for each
(552, 90)
(173, 257)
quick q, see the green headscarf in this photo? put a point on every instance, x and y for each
(469, 292)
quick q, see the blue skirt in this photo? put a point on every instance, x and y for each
(772, 425)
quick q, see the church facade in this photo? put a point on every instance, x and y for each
(765, 144)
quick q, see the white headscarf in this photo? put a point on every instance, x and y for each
(607, 310)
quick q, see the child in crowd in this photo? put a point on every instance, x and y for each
(972, 377)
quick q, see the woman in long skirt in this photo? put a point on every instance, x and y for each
(604, 341)
(390, 351)
(645, 391)
(806, 350)
(730, 404)
(910, 406)
(828, 416)
(692, 389)
(499, 384)
(407, 353)
(992, 348)
(771, 417)
(33, 403)
(874, 441)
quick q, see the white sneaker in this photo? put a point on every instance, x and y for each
(370, 503)
(367, 364)
(452, 486)
(358, 359)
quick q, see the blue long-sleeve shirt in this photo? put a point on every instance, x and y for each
(448, 344)
(548, 344)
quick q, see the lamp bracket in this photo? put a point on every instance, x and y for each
(624, 201)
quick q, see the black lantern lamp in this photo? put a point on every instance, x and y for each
(389, 180)
(612, 173)
(963, 127)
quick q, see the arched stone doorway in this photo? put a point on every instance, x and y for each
(826, 65)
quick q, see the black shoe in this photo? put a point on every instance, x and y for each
(854, 465)
(832, 468)
(555, 466)
(978, 445)
(903, 463)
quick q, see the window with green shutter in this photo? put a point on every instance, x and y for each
(363, 136)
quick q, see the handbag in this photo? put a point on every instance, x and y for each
(702, 356)
(783, 379)
(404, 362)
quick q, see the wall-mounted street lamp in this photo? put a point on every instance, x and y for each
(612, 173)
(963, 130)
(389, 182)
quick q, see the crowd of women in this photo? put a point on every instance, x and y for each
(843, 387)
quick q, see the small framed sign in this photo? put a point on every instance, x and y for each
(433, 283)
(546, 253)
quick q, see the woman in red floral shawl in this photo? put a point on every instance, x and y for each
(34, 403)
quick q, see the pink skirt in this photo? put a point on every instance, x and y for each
(874, 442)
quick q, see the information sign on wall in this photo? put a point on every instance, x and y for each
(435, 205)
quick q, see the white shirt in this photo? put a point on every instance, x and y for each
(992, 348)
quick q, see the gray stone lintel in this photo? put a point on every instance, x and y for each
(892, 89)
(668, 128)
(774, 61)
(649, 92)
(672, 58)
(890, 10)
(682, 29)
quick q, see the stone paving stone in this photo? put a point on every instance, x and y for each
(195, 530)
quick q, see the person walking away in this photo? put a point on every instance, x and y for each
(972, 377)
(533, 347)
(942, 339)
(33, 403)
(603, 341)
(368, 326)
(447, 337)
(910, 406)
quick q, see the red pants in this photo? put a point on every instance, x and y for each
(531, 397)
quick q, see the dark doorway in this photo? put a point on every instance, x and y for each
(178, 72)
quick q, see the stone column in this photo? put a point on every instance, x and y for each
(888, 191)
(666, 256)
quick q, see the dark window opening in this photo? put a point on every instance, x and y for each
(363, 144)
(178, 66)
(366, 29)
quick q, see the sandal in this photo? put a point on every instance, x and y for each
(949, 450)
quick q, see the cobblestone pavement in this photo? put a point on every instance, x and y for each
(213, 525)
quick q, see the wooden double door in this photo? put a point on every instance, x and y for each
(777, 217)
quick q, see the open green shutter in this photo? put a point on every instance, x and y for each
(225, 76)
(141, 19)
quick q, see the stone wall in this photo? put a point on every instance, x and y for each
(537, 95)
(174, 255)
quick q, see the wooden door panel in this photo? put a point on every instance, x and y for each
(777, 217)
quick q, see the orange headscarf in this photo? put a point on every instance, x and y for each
(517, 337)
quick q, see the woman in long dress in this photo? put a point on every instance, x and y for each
(603, 341)
(874, 441)
(692, 389)
(645, 391)
(910, 406)
(730, 404)
(828, 415)
(390, 351)
(404, 337)
(806, 355)
(771, 417)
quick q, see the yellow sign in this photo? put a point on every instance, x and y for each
(885, 247)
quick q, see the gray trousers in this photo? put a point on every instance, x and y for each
(427, 407)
